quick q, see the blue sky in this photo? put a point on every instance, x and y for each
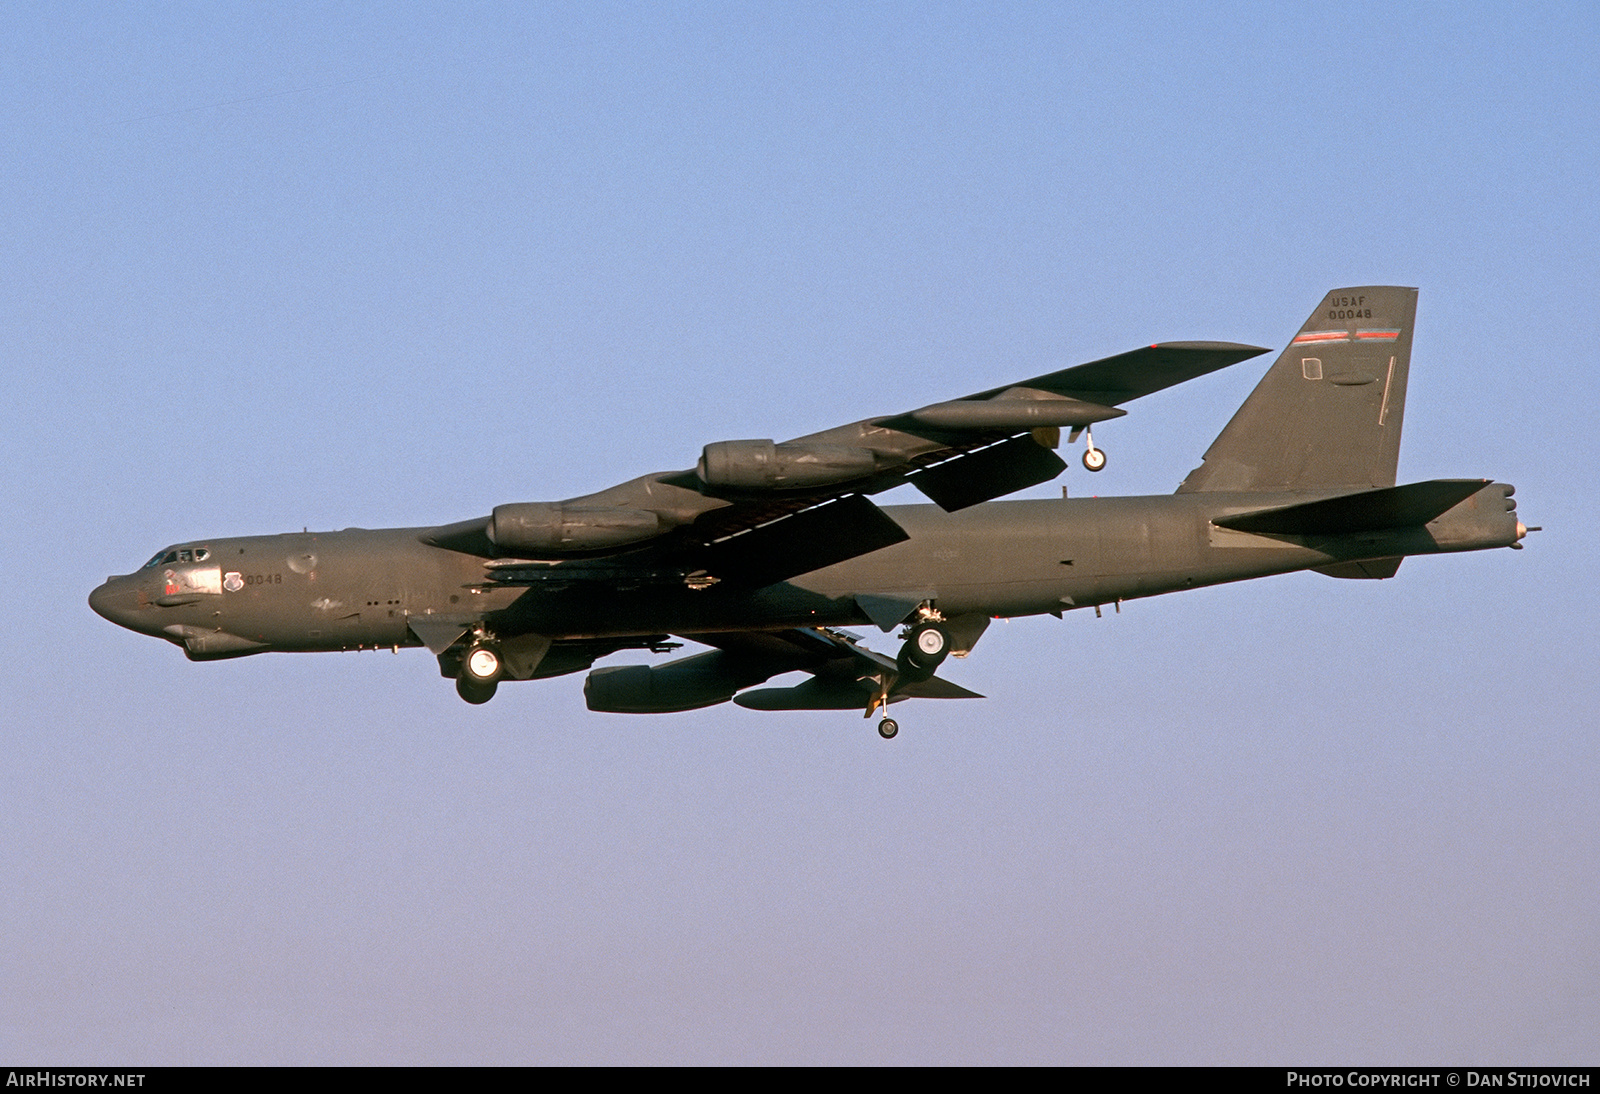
(279, 266)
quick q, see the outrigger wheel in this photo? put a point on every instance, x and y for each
(1093, 458)
(888, 728)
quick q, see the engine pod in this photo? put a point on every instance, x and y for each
(688, 683)
(543, 526)
(1014, 415)
(762, 465)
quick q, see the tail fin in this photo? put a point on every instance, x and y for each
(1328, 412)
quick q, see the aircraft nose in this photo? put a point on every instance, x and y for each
(99, 601)
(112, 603)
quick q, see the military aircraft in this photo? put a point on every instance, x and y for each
(765, 551)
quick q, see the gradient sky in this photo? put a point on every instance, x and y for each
(275, 266)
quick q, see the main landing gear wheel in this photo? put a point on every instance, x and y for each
(480, 674)
(481, 665)
(1094, 459)
(926, 647)
(475, 693)
(888, 728)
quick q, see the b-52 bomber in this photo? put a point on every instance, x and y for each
(765, 551)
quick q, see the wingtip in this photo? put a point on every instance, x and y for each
(1245, 351)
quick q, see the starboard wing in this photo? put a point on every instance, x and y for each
(756, 512)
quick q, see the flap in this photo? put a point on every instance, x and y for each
(988, 473)
(834, 531)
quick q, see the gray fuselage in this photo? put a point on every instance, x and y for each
(357, 588)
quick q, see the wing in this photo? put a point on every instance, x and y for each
(844, 676)
(754, 512)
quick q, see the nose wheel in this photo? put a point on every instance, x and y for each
(888, 728)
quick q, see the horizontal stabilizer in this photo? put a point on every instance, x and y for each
(1392, 507)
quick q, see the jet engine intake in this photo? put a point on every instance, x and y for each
(763, 465)
(541, 526)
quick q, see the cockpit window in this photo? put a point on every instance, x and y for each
(178, 556)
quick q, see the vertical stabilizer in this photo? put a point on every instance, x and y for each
(1328, 412)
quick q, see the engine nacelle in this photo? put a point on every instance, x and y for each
(762, 465)
(1015, 415)
(541, 526)
(688, 683)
